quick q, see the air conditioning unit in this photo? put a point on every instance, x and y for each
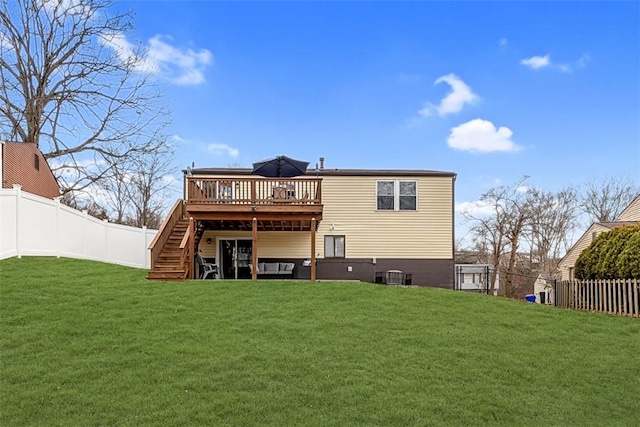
(394, 277)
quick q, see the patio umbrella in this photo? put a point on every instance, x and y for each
(280, 167)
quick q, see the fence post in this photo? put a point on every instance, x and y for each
(145, 258)
(625, 297)
(105, 223)
(636, 298)
(85, 225)
(18, 189)
(58, 200)
(619, 297)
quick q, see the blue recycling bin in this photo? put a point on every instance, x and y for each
(530, 297)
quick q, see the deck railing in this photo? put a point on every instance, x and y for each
(157, 244)
(186, 250)
(254, 191)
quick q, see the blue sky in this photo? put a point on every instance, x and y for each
(489, 90)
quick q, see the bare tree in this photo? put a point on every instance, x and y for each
(604, 200)
(65, 87)
(137, 193)
(553, 218)
(151, 180)
(488, 232)
(82, 204)
(115, 191)
(500, 230)
(516, 204)
(489, 237)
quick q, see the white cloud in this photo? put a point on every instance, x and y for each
(460, 95)
(582, 62)
(64, 8)
(503, 43)
(539, 62)
(481, 136)
(126, 52)
(184, 67)
(179, 66)
(477, 208)
(565, 68)
(177, 138)
(536, 62)
(222, 149)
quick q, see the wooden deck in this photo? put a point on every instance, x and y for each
(245, 198)
(252, 204)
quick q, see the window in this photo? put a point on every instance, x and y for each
(334, 246)
(396, 195)
(36, 162)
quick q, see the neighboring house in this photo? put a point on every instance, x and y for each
(475, 277)
(23, 164)
(332, 224)
(631, 212)
(630, 216)
(543, 290)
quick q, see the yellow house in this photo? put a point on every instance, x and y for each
(630, 216)
(333, 224)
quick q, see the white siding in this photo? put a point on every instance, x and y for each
(569, 260)
(632, 212)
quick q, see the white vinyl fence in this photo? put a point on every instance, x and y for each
(31, 225)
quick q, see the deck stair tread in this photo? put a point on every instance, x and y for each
(167, 266)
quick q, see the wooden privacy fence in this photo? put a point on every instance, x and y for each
(613, 296)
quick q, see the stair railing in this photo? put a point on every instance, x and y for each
(187, 250)
(162, 236)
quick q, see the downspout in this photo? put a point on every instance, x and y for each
(453, 228)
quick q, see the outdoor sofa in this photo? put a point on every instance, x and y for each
(283, 269)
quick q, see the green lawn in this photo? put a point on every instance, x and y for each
(85, 343)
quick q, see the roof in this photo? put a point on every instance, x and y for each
(330, 172)
(615, 224)
(608, 225)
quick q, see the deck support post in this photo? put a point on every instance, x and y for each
(254, 249)
(313, 249)
(192, 248)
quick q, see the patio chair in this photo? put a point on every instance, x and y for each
(207, 270)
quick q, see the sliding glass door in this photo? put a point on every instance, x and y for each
(235, 257)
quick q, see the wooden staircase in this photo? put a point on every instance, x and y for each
(167, 266)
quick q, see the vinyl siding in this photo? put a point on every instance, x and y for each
(271, 244)
(569, 260)
(632, 212)
(350, 210)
